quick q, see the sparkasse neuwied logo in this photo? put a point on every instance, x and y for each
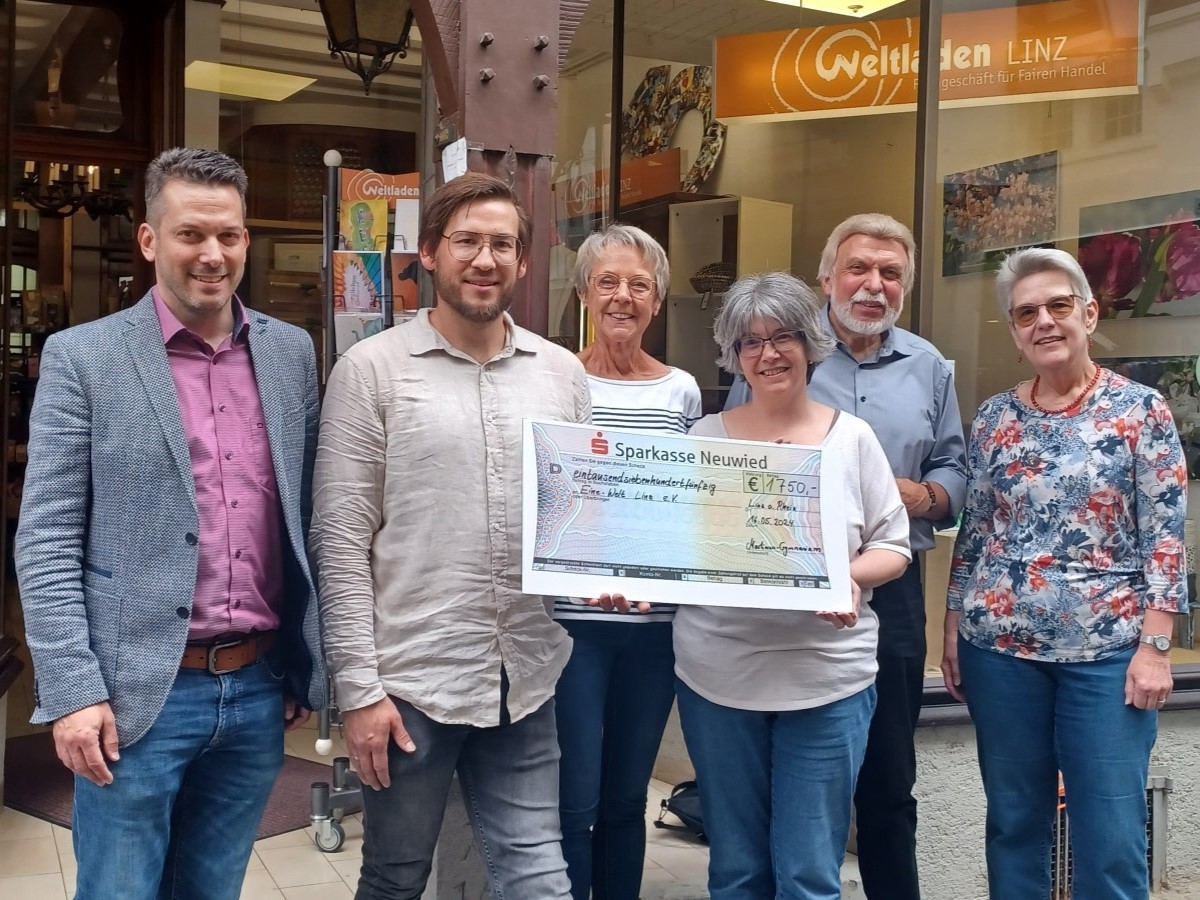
(599, 444)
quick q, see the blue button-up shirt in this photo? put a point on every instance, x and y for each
(905, 392)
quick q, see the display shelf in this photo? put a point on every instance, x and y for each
(750, 235)
(312, 226)
(747, 234)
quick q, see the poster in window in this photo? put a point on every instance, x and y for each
(995, 209)
(1142, 257)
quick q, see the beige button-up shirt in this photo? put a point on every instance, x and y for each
(417, 522)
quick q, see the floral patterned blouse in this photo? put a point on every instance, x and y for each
(1073, 525)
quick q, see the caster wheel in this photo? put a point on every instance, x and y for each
(333, 842)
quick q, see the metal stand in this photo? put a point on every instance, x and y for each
(331, 803)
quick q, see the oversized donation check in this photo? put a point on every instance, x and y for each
(675, 519)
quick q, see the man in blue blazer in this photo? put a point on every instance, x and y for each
(169, 605)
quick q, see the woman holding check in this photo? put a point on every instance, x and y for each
(775, 704)
(613, 698)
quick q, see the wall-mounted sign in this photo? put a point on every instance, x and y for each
(364, 184)
(1072, 48)
(641, 179)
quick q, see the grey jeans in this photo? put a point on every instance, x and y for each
(509, 779)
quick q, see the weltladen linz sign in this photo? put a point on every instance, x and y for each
(1073, 48)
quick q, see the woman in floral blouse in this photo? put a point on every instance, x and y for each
(1067, 577)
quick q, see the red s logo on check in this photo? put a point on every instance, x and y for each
(599, 444)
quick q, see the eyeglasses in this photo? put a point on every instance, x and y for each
(466, 245)
(782, 341)
(605, 285)
(1060, 307)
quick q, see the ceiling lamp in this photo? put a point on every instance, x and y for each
(240, 81)
(856, 8)
(367, 34)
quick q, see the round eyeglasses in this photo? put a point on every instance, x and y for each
(606, 284)
(782, 341)
(1059, 307)
(466, 245)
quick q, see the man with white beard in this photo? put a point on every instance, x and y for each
(904, 388)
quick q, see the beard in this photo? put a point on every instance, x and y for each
(198, 304)
(844, 314)
(449, 291)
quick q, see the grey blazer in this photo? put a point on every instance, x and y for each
(106, 548)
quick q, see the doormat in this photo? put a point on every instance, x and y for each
(36, 783)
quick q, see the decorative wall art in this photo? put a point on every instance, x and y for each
(406, 270)
(364, 225)
(1142, 257)
(658, 105)
(350, 328)
(357, 281)
(992, 210)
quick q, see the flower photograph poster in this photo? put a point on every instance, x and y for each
(995, 209)
(1142, 257)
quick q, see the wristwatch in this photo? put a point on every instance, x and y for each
(932, 495)
(1157, 641)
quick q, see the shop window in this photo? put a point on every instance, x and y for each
(261, 86)
(788, 149)
(65, 67)
(1136, 214)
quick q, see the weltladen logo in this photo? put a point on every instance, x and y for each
(832, 65)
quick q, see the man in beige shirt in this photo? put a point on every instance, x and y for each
(440, 663)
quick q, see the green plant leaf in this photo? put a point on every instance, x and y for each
(1155, 277)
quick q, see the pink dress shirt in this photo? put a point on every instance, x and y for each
(240, 568)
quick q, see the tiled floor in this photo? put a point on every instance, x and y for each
(36, 861)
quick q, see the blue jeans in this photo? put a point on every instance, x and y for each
(776, 790)
(612, 704)
(179, 819)
(1033, 719)
(509, 780)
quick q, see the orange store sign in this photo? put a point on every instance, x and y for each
(1070, 48)
(641, 179)
(365, 184)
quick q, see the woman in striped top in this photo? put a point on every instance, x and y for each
(614, 697)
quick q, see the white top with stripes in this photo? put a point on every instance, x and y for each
(667, 405)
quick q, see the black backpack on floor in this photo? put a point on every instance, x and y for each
(683, 804)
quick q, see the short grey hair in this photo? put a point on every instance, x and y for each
(631, 237)
(774, 297)
(1031, 261)
(879, 226)
(194, 165)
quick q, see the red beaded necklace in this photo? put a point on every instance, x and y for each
(1070, 406)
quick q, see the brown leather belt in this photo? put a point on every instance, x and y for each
(228, 655)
